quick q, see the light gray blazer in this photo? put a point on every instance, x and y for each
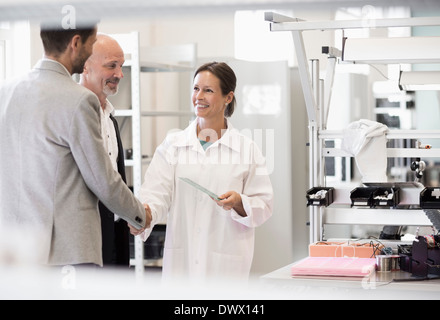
(53, 166)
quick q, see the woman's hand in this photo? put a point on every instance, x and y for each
(232, 200)
(137, 232)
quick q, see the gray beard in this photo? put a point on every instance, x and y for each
(109, 92)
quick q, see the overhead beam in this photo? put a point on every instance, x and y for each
(353, 24)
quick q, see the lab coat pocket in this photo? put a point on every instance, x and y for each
(227, 266)
(174, 262)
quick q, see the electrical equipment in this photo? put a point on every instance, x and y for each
(320, 197)
(425, 257)
(418, 167)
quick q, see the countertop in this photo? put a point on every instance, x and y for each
(380, 285)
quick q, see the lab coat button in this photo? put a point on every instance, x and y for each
(138, 220)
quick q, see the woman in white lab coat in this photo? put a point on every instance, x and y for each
(205, 238)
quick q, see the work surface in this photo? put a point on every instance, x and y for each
(67, 284)
(386, 285)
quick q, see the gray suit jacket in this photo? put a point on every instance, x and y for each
(53, 166)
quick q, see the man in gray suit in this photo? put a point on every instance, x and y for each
(53, 165)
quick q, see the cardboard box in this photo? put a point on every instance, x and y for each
(345, 249)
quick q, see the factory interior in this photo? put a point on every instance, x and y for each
(342, 98)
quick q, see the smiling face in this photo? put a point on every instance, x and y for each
(208, 99)
(103, 70)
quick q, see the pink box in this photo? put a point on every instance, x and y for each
(342, 267)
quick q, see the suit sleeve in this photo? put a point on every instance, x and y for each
(95, 166)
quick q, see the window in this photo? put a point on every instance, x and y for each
(15, 49)
(2, 60)
(255, 42)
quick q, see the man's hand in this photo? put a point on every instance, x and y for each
(134, 231)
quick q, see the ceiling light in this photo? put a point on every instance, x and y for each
(392, 50)
(419, 80)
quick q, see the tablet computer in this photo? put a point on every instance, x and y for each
(199, 187)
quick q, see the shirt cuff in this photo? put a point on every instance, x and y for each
(247, 221)
(144, 235)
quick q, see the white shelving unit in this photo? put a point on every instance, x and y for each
(174, 66)
(130, 45)
(148, 60)
(317, 93)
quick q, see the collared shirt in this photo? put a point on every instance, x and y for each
(109, 134)
(48, 59)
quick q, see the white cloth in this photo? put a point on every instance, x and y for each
(108, 132)
(366, 141)
(110, 140)
(203, 241)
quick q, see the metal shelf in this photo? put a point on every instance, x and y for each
(130, 44)
(317, 94)
(382, 217)
(124, 113)
(129, 113)
(185, 54)
(163, 67)
(167, 114)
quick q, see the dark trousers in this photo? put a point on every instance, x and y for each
(115, 239)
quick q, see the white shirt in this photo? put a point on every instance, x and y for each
(47, 59)
(109, 134)
(202, 239)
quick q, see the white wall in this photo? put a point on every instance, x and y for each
(15, 37)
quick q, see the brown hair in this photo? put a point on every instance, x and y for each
(55, 40)
(228, 81)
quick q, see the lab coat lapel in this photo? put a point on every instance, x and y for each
(189, 139)
(231, 138)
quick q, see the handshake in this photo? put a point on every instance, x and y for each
(148, 219)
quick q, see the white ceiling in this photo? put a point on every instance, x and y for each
(44, 9)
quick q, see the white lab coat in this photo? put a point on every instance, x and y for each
(203, 241)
